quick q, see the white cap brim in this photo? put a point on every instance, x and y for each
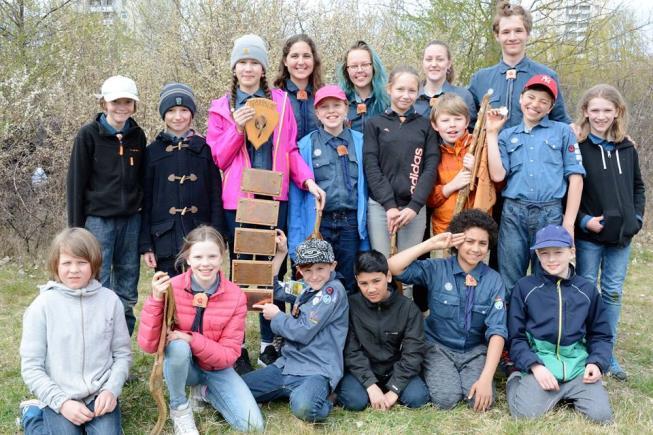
(117, 95)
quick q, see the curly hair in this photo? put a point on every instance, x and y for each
(506, 10)
(474, 218)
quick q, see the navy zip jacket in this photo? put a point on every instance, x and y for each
(166, 163)
(401, 159)
(613, 189)
(105, 174)
(555, 321)
(385, 344)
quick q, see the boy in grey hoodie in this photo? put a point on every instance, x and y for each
(75, 349)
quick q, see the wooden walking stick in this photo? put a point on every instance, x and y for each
(393, 251)
(156, 377)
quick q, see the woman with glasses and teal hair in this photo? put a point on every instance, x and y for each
(364, 79)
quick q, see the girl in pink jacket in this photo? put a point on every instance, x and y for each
(233, 152)
(206, 338)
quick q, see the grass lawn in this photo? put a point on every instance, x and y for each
(632, 401)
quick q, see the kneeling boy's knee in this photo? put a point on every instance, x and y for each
(446, 402)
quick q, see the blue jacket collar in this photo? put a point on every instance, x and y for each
(292, 87)
(544, 122)
(241, 96)
(523, 65)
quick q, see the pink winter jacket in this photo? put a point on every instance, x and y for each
(230, 152)
(223, 325)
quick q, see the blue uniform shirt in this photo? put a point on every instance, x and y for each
(423, 103)
(315, 339)
(356, 119)
(538, 162)
(261, 158)
(507, 91)
(448, 303)
(336, 175)
(303, 109)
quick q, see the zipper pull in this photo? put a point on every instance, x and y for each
(131, 161)
(121, 149)
(609, 154)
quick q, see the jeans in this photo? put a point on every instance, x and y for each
(520, 221)
(612, 262)
(408, 236)
(352, 395)
(121, 263)
(340, 229)
(48, 422)
(226, 391)
(308, 394)
(267, 336)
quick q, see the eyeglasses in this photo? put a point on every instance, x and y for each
(361, 67)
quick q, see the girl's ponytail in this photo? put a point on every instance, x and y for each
(266, 88)
(234, 92)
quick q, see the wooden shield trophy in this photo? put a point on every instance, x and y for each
(260, 128)
(257, 240)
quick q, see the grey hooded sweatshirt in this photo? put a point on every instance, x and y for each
(75, 344)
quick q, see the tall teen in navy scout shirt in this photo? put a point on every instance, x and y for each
(466, 327)
(437, 66)
(311, 362)
(363, 79)
(300, 75)
(511, 27)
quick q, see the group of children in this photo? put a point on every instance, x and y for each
(378, 161)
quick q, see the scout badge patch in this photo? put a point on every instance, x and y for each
(260, 128)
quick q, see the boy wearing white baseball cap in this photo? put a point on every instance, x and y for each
(105, 187)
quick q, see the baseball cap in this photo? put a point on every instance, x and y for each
(329, 91)
(116, 87)
(313, 251)
(545, 81)
(552, 236)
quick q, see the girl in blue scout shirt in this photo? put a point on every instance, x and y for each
(541, 163)
(363, 78)
(311, 362)
(512, 26)
(612, 205)
(105, 187)
(182, 186)
(300, 75)
(437, 66)
(466, 327)
(335, 153)
(401, 158)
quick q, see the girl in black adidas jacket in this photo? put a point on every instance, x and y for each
(401, 155)
(612, 206)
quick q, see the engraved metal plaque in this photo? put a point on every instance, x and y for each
(252, 272)
(261, 182)
(257, 296)
(257, 211)
(253, 241)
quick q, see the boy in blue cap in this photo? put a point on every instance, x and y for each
(311, 362)
(560, 340)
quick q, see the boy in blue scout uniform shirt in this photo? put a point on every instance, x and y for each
(466, 327)
(335, 154)
(541, 162)
(311, 362)
(560, 339)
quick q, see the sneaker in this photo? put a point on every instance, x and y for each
(242, 364)
(183, 421)
(28, 409)
(268, 356)
(617, 372)
(197, 398)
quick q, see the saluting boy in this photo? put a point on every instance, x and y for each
(311, 362)
(466, 327)
(541, 162)
(560, 339)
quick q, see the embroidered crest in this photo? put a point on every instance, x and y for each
(329, 290)
(178, 101)
(317, 152)
(498, 303)
(546, 79)
(571, 149)
(514, 140)
(448, 286)
(312, 317)
(326, 299)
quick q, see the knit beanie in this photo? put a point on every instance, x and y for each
(249, 47)
(176, 94)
